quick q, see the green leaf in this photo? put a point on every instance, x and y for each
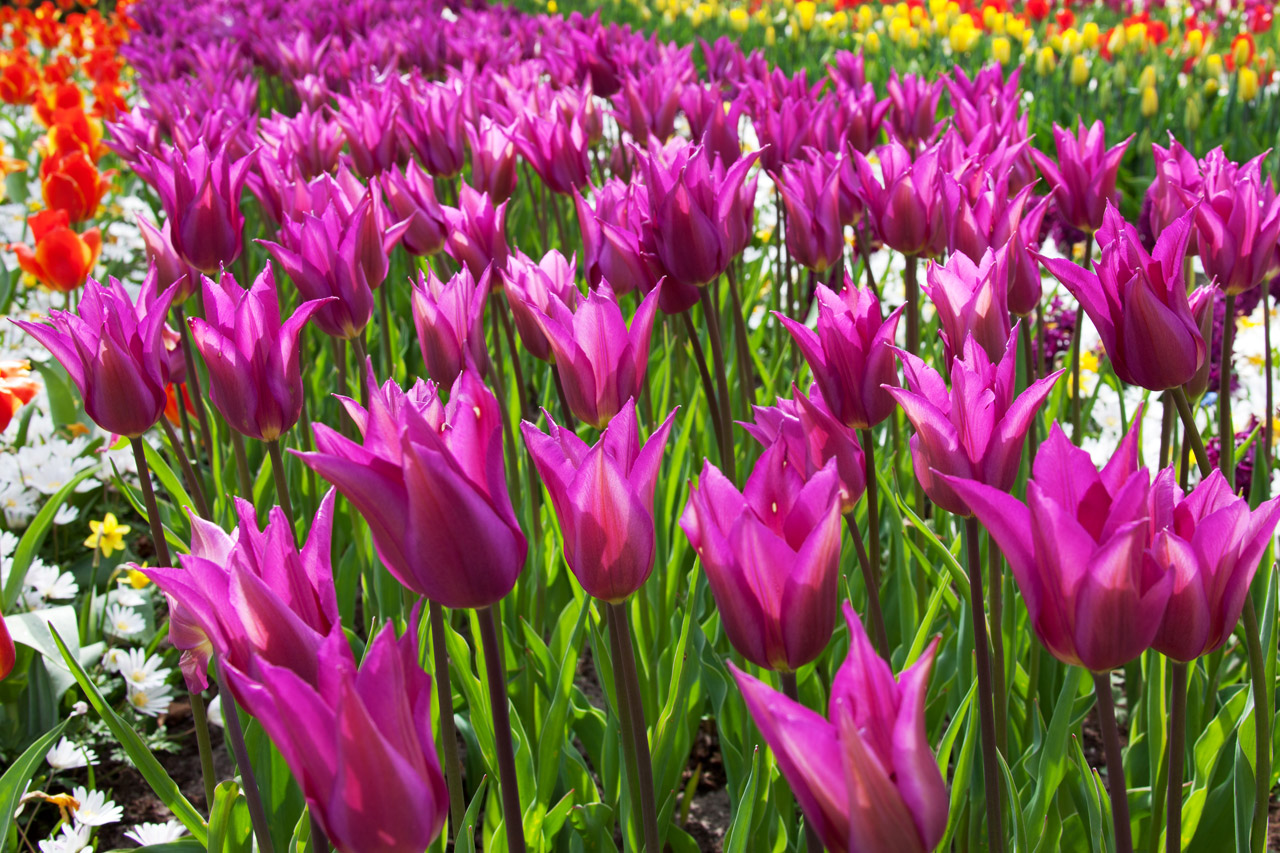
(1051, 761)
(230, 830)
(13, 784)
(554, 730)
(465, 838)
(738, 838)
(159, 780)
(172, 485)
(31, 541)
(62, 397)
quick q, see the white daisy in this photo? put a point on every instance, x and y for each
(214, 712)
(126, 596)
(147, 834)
(66, 514)
(71, 840)
(48, 583)
(142, 672)
(123, 621)
(112, 658)
(95, 809)
(68, 756)
(151, 701)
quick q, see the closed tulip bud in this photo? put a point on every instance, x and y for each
(850, 354)
(1138, 303)
(476, 233)
(1237, 223)
(412, 197)
(1079, 71)
(1078, 550)
(815, 230)
(1000, 50)
(529, 287)
(114, 352)
(1247, 83)
(429, 481)
(1084, 178)
(493, 159)
(603, 498)
(974, 431)
(449, 318)
(200, 191)
(255, 381)
(601, 362)
(1194, 112)
(972, 302)
(772, 556)
(865, 776)
(1150, 103)
(914, 114)
(904, 198)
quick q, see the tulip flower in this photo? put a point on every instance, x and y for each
(974, 431)
(200, 191)
(1237, 224)
(114, 353)
(365, 118)
(914, 113)
(1084, 178)
(865, 776)
(815, 229)
(529, 286)
(972, 302)
(556, 149)
(813, 434)
(601, 362)
(8, 653)
(170, 268)
(1177, 181)
(1077, 548)
(61, 259)
(358, 740)
(904, 198)
(255, 381)
(603, 497)
(432, 122)
(1138, 302)
(71, 182)
(449, 317)
(493, 159)
(850, 354)
(772, 556)
(1025, 285)
(1211, 543)
(475, 235)
(428, 479)
(413, 198)
(17, 388)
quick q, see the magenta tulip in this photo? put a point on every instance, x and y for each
(529, 287)
(200, 191)
(972, 301)
(1237, 224)
(904, 198)
(1084, 178)
(449, 318)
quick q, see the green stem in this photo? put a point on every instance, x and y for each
(995, 570)
(384, 303)
(1191, 432)
(872, 582)
(193, 379)
(512, 815)
(813, 844)
(708, 387)
(188, 473)
(978, 616)
(448, 736)
(712, 313)
(242, 466)
(1262, 726)
(1226, 437)
(1115, 762)
(912, 284)
(746, 373)
(207, 773)
(253, 797)
(625, 670)
(1177, 747)
(282, 481)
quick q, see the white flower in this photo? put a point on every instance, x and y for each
(127, 596)
(8, 544)
(214, 712)
(142, 672)
(113, 658)
(67, 756)
(123, 621)
(72, 840)
(80, 709)
(95, 809)
(150, 701)
(47, 583)
(147, 834)
(66, 514)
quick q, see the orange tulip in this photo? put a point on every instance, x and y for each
(72, 130)
(17, 387)
(62, 259)
(72, 183)
(64, 97)
(171, 406)
(18, 81)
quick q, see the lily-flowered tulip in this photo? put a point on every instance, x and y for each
(850, 354)
(428, 479)
(200, 191)
(865, 776)
(556, 149)
(1177, 184)
(114, 352)
(1138, 302)
(1211, 543)
(772, 556)
(1084, 178)
(601, 362)
(914, 112)
(976, 430)
(251, 593)
(432, 122)
(449, 317)
(529, 286)
(412, 198)
(475, 235)
(255, 381)
(603, 497)
(493, 159)
(358, 740)
(972, 301)
(61, 259)
(1237, 224)
(170, 268)
(815, 228)
(814, 435)
(904, 200)
(1077, 548)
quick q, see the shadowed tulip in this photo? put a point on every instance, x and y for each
(255, 381)
(1138, 302)
(865, 776)
(603, 497)
(449, 318)
(973, 431)
(200, 191)
(1077, 548)
(850, 354)
(1177, 184)
(529, 286)
(428, 479)
(913, 115)
(1084, 178)
(815, 229)
(114, 352)
(556, 149)
(971, 299)
(772, 556)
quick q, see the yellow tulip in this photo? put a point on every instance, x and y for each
(836, 22)
(1147, 79)
(1090, 35)
(1150, 101)
(1195, 42)
(1240, 53)
(1118, 40)
(1211, 86)
(1137, 35)
(551, 7)
(871, 44)
(1055, 42)
(989, 17)
(1079, 71)
(1072, 41)
(1015, 27)
(916, 15)
(963, 35)
(1247, 83)
(1213, 64)
(770, 36)
(912, 39)
(897, 27)
(1000, 50)
(805, 11)
(738, 19)
(1193, 113)
(865, 17)
(937, 7)
(1046, 61)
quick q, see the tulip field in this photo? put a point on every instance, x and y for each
(639, 425)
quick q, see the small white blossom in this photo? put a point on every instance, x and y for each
(47, 583)
(72, 839)
(95, 809)
(126, 596)
(142, 672)
(112, 658)
(214, 712)
(66, 514)
(65, 755)
(123, 621)
(151, 701)
(147, 834)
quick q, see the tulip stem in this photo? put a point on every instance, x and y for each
(193, 379)
(912, 284)
(1261, 723)
(253, 797)
(1077, 415)
(242, 466)
(1226, 437)
(319, 841)
(188, 473)
(1177, 746)
(712, 312)
(995, 572)
(1270, 401)
(812, 843)
(700, 358)
(362, 367)
(868, 439)
(1028, 354)
(1166, 428)
(282, 481)
(990, 763)
(384, 302)
(746, 373)
(865, 251)
(448, 736)
(566, 414)
(512, 816)
(207, 773)
(1115, 762)
(872, 580)
(1192, 433)
(625, 671)
(622, 697)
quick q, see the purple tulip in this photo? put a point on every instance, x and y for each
(366, 118)
(429, 481)
(170, 268)
(449, 317)
(1084, 178)
(865, 777)
(413, 199)
(914, 114)
(815, 227)
(1077, 548)
(476, 231)
(493, 158)
(851, 354)
(557, 149)
(308, 140)
(972, 302)
(600, 361)
(716, 130)
(1237, 224)
(1138, 302)
(432, 123)
(255, 381)
(603, 497)
(904, 201)
(1177, 183)
(855, 118)
(529, 287)
(200, 191)
(647, 104)
(1025, 285)
(114, 352)
(772, 556)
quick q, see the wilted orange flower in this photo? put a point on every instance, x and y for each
(72, 183)
(17, 388)
(61, 259)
